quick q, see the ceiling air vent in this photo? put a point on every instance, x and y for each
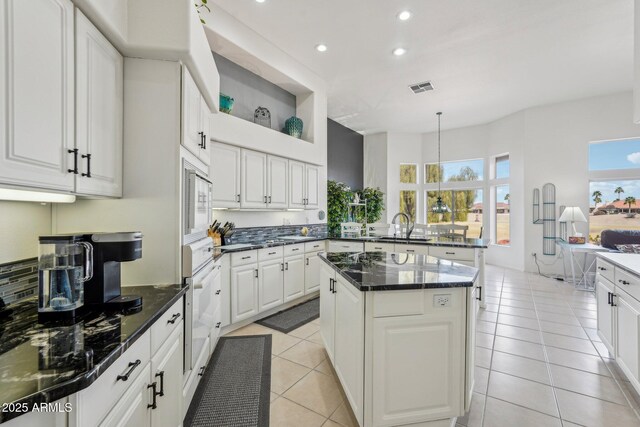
(421, 87)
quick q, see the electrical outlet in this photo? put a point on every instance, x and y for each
(442, 300)
(533, 254)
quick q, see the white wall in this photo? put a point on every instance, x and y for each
(375, 165)
(20, 225)
(545, 144)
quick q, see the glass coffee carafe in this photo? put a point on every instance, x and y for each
(64, 264)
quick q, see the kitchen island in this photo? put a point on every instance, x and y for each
(399, 330)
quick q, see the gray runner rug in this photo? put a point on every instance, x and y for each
(294, 317)
(234, 391)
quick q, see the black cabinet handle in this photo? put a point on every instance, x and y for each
(201, 373)
(295, 249)
(331, 285)
(613, 304)
(201, 145)
(238, 196)
(265, 199)
(88, 157)
(450, 253)
(281, 266)
(161, 375)
(218, 325)
(256, 273)
(479, 297)
(272, 253)
(154, 404)
(602, 269)
(609, 298)
(410, 250)
(246, 257)
(75, 161)
(174, 318)
(269, 199)
(218, 291)
(307, 261)
(624, 282)
(286, 266)
(204, 141)
(132, 367)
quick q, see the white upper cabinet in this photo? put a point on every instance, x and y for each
(99, 102)
(195, 118)
(254, 180)
(225, 173)
(296, 185)
(277, 182)
(37, 93)
(312, 186)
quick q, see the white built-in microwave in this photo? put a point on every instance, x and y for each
(197, 202)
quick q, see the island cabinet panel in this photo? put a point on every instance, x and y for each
(311, 273)
(327, 308)
(627, 334)
(418, 362)
(349, 343)
(473, 303)
(604, 291)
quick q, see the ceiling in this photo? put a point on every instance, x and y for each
(486, 59)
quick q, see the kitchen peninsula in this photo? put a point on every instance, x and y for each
(399, 330)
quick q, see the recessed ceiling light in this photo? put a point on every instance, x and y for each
(260, 1)
(321, 48)
(403, 16)
(399, 51)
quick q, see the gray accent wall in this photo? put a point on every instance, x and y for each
(344, 155)
(251, 91)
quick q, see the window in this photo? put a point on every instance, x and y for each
(502, 215)
(614, 186)
(465, 206)
(465, 170)
(408, 203)
(502, 166)
(408, 174)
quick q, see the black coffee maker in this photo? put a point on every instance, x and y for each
(109, 250)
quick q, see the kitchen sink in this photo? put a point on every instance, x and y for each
(404, 240)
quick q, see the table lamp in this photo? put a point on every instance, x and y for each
(573, 214)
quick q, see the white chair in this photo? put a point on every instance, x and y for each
(448, 230)
(377, 229)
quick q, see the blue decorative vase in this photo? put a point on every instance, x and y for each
(226, 103)
(293, 126)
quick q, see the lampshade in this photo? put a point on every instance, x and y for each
(572, 214)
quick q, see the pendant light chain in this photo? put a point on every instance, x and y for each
(439, 113)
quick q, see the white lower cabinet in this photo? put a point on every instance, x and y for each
(312, 273)
(294, 277)
(244, 292)
(270, 279)
(349, 343)
(327, 308)
(166, 368)
(604, 292)
(627, 338)
(134, 408)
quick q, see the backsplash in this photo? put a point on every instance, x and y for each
(260, 234)
(18, 280)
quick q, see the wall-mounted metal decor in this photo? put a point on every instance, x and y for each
(549, 219)
(562, 225)
(536, 206)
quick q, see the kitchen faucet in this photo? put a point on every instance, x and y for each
(409, 224)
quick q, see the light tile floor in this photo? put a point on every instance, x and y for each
(539, 363)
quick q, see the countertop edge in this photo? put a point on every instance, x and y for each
(612, 258)
(83, 381)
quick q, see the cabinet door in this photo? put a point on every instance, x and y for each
(605, 313)
(244, 292)
(99, 103)
(205, 128)
(271, 280)
(349, 343)
(296, 185)
(627, 339)
(472, 308)
(225, 173)
(312, 273)
(254, 180)
(294, 272)
(277, 182)
(132, 410)
(312, 181)
(166, 367)
(327, 308)
(36, 93)
(191, 106)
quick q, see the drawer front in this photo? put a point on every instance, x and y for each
(412, 249)
(267, 254)
(376, 247)
(294, 249)
(627, 282)
(96, 401)
(398, 303)
(166, 324)
(243, 258)
(314, 246)
(345, 246)
(461, 254)
(605, 269)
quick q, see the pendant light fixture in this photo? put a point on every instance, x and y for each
(439, 207)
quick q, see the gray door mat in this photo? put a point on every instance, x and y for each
(294, 317)
(235, 388)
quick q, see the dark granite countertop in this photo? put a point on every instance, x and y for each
(388, 271)
(44, 363)
(427, 241)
